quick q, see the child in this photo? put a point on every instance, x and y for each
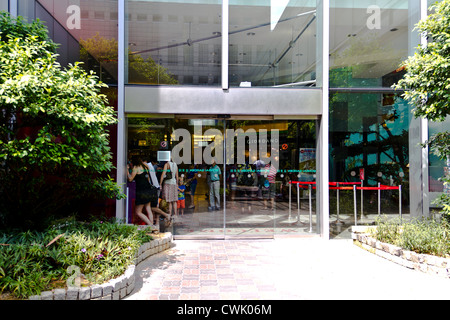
(181, 198)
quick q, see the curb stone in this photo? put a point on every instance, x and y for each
(114, 289)
(422, 262)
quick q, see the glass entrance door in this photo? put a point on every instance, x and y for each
(238, 177)
(252, 163)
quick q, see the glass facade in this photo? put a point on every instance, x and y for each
(438, 167)
(177, 45)
(369, 122)
(174, 43)
(257, 161)
(180, 43)
(368, 41)
(273, 43)
(86, 31)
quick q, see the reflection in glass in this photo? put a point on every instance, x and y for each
(367, 43)
(438, 167)
(272, 44)
(87, 31)
(174, 43)
(369, 132)
(256, 199)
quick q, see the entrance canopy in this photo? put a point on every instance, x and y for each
(236, 101)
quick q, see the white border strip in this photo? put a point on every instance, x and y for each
(121, 134)
(225, 44)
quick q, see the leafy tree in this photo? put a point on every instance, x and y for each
(105, 53)
(54, 142)
(427, 81)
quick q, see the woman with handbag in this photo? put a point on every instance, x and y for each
(169, 182)
(144, 190)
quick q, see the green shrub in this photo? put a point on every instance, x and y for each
(387, 230)
(428, 237)
(420, 235)
(100, 250)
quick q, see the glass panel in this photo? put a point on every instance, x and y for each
(437, 167)
(368, 132)
(367, 42)
(253, 200)
(194, 144)
(266, 161)
(272, 43)
(87, 31)
(252, 168)
(174, 43)
(4, 6)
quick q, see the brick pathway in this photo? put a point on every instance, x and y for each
(278, 269)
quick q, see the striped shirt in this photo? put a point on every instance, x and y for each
(270, 172)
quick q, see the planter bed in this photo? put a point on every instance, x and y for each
(114, 289)
(422, 262)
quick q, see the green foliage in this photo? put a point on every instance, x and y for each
(101, 250)
(387, 231)
(54, 145)
(141, 70)
(444, 201)
(427, 80)
(421, 235)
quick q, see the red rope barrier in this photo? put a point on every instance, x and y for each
(304, 184)
(331, 183)
(341, 188)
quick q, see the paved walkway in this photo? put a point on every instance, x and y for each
(294, 268)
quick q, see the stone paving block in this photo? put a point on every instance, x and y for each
(47, 295)
(72, 293)
(123, 293)
(59, 294)
(116, 295)
(85, 293)
(107, 288)
(96, 291)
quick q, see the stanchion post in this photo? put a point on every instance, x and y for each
(362, 200)
(400, 201)
(290, 189)
(310, 209)
(337, 202)
(298, 202)
(379, 199)
(354, 203)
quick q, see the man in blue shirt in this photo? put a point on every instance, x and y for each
(214, 189)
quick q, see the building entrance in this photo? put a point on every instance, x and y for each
(238, 176)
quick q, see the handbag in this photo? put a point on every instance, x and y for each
(153, 193)
(168, 175)
(152, 190)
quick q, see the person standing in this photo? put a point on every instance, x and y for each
(140, 173)
(181, 196)
(270, 172)
(191, 183)
(154, 180)
(214, 189)
(170, 186)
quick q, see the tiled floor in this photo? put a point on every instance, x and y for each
(277, 270)
(214, 270)
(246, 218)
